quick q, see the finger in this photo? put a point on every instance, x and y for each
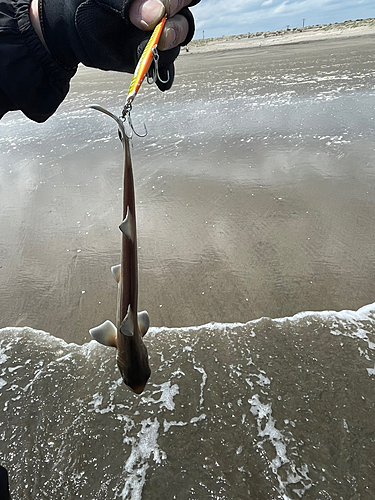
(174, 33)
(145, 14)
(172, 7)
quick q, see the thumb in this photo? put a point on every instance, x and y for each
(145, 14)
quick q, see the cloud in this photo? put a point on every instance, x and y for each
(223, 17)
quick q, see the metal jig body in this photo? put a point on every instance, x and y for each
(149, 55)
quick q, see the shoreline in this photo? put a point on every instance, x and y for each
(347, 29)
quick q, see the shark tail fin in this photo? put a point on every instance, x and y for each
(143, 322)
(105, 334)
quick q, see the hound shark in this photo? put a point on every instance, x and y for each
(127, 335)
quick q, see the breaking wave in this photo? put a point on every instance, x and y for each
(266, 409)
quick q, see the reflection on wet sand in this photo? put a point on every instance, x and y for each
(255, 193)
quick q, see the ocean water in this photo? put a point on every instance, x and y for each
(279, 409)
(256, 199)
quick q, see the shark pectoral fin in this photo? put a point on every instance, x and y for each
(126, 327)
(143, 322)
(116, 272)
(105, 334)
(127, 225)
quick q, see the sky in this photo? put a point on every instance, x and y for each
(232, 17)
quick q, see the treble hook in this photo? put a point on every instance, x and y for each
(127, 116)
(121, 121)
(121, 127)
(132, 127)
(155, 72)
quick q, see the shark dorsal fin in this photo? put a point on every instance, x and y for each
(127, 226)
(116, 272)
(127, 327)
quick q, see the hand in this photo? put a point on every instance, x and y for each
(111, 34)
(145, 14)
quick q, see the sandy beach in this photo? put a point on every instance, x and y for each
(255, 189)
(306, 34)
(255, 196)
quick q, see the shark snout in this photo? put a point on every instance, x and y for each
(138, 389)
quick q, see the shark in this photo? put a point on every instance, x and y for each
(131, 326)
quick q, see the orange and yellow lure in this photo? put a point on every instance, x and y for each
(143, 66)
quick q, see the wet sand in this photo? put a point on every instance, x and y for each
(255, 192)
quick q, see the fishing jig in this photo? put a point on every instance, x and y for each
(149, 55)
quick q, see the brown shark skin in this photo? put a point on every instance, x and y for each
(132, 356)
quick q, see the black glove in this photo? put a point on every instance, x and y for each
(98, 33)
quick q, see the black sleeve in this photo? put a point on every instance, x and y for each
(30, 79)
(5, 106)
(4, 484)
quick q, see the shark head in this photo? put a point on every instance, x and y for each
(135, 370)
(138, 389)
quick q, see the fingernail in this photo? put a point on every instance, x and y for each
(152, 11)
(170, 37)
